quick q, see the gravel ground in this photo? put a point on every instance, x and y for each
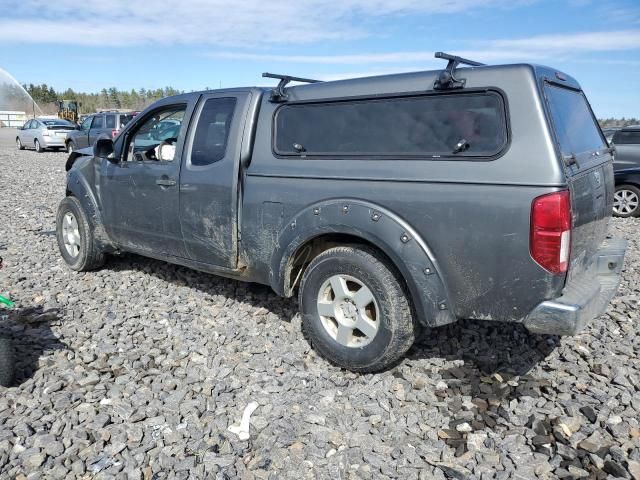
(137, 371)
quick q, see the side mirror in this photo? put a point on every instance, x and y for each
(103, 148)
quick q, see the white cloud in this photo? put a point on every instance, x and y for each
(214, 22)
(535, 48)
(375, 58)
(576, 42)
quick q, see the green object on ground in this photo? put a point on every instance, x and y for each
(6, 301)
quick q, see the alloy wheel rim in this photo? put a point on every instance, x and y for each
(348, 311)
(18, 143)
(71, 234)
(625, 202)
(37, 145)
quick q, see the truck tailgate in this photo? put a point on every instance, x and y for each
(591, 205)
(588, 165)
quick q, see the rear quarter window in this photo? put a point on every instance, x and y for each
(575, 126)
(452, 125)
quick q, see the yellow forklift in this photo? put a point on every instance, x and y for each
(69, 110)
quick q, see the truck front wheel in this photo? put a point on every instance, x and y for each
(75, 237)
(355, 311)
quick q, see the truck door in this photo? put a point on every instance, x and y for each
(97, 127)
(140, 193)
(81, 139)
(209, 179)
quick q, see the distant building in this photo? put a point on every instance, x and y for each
(12, 118)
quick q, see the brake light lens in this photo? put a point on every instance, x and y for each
(114, 133)
(551, 231)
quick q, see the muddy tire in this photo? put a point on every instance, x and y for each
(355, 310)
(75, 237)
(7, 365)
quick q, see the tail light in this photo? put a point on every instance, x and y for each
(45, 132)
(551, 231)
(114, 133)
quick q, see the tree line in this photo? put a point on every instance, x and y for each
(108, 98)
(111, 98)
(617, 122)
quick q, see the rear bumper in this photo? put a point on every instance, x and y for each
(53, 141)
(585, 299)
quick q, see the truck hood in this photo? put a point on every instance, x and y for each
(73, 156)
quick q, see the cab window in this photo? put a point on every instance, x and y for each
(156, 137)
(111, 121)
(212, 133)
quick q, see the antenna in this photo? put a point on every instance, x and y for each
(447, 78)
(278, 94)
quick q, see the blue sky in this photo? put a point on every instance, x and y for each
(193, 44)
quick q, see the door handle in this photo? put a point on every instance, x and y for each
(165, 182)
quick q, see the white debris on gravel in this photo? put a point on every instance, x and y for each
(242, 430)
(137, 370)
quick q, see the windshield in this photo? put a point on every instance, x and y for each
(62, 123)
(576, 128)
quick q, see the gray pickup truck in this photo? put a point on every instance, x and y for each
(386, 204)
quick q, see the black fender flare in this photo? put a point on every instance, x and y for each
(380, 227)
(78, 186)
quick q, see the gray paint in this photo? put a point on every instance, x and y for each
(457, 230)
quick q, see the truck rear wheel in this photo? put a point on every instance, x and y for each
(75, 237)
(355, 312)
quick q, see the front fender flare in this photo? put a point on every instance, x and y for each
(78, 186)
(380, 227)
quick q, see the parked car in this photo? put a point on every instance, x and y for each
(387, 203)
(626, 200)
(627, 144)
(43, 133)
(97, 125)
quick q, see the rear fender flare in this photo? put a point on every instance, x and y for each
(380, 227)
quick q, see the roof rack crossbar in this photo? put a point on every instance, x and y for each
(278, 94)
(447, 79)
